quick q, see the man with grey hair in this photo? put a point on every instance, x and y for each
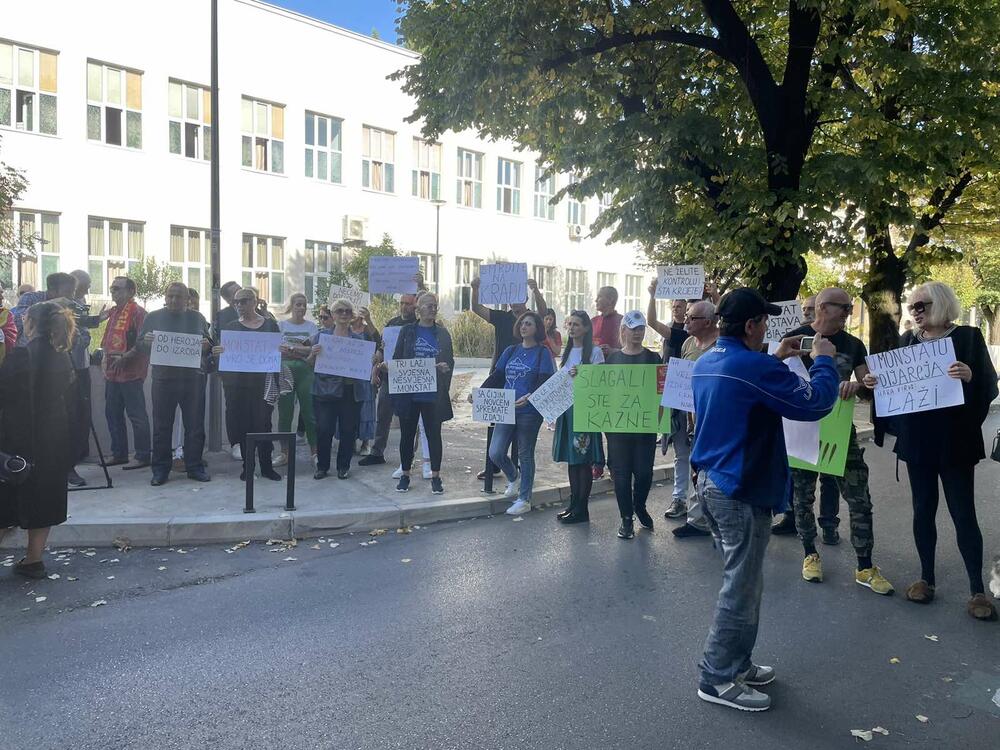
(79, 354)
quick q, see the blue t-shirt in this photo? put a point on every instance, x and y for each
(425, 347)
(524, 370)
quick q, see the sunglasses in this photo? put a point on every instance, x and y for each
(243, 301)
(919, 307)
(344, 311)
(695, 317)
(847, 307)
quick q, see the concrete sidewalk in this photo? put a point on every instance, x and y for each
(183, 512)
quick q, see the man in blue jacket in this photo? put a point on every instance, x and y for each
(740, 396)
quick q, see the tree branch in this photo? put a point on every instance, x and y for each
(945, 199)
(628, 38)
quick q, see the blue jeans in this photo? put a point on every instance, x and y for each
(744, 531)
(121, 399)
(525, 427)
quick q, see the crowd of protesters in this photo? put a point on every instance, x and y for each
(731, 474)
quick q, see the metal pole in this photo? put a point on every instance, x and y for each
(214, 386)
(437, 253)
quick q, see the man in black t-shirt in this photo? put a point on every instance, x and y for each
(832, 308)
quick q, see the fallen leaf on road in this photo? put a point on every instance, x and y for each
(123, 544)
(71, 578)
(894, 660)
(377, 532)
(404, 530)
(922, 719)
(862, 734)
(238, 546)
(881, 730)
(54, 577)
(932, 638)
(406, 560)
(363, 544)
(162, 567)
(179, 552)
(291, 559)
(90, 554)
(334, 545)
(111, 578)
(518, 518)
(649, 618)
(315, 546)
(39, 599)
(98, 603)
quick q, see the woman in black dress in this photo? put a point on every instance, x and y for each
(36, 386)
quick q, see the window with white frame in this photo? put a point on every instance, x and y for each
(115, 247)
(469, 183)
(28, 82)
(378, 160)
(324, 154)
(576, 210)
(264, 266)
(605, 203)
(633, 292)
(545, 277)
(577, 289)
(36, 234)
(466, 269)
(545, 188)
(189, 248)
(263, 125)
(508, 186)
(320, 259)
(426, 170)
(114, 105)
(607, 279)
(428, 269)
(189, 112)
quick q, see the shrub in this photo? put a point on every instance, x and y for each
(471, 336)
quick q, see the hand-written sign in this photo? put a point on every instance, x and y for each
(915, 378)
(176, 349)
(345, 356)
(677, 393)
(493, 405)
(554, 396)
(249, 351)
(834, 435)
(618, 398)
(801, 438)
(390, 335)
(779, 325)
(412, 376)
(355, 296)
(680, 282)
(503, 283)
(388, 274)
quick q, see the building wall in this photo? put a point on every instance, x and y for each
(283, 58)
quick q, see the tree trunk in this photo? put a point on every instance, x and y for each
(883, 291)
(990, 313)
(780, 283)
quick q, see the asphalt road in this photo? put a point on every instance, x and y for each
(490, 633)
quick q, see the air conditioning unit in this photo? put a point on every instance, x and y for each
(576, 231)
(355, 228)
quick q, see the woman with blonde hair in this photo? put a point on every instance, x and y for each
(946, 444)
(36, 394)
(296, 333)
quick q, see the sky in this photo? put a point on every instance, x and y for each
(357, 15)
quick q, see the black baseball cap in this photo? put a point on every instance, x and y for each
(743, 304)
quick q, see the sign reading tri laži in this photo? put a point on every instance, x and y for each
(412, 375)
(915, 378)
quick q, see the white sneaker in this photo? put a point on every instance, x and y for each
(397, 473)
(427, 470)
(518, 507)
(513, 487)
(237, 452)
(280, 460)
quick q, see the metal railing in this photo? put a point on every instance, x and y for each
(249, 463)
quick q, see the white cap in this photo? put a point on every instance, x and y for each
(634, 319)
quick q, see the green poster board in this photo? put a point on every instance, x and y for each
(619, 398)
(834, 432)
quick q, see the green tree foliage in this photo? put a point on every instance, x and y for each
(13, 245)
(151, 279)
(354, 274)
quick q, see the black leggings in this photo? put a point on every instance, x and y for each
(408, 433)
(247, 411)
(631, 456)
(958, 483)
(581, 480)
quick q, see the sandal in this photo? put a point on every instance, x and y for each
(981, 608)
(921, 592)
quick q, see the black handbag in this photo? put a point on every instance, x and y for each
(995, 453)
(14, 469)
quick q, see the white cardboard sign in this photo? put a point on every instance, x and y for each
(176, 349)
(680, 282)
(915, 378)
(779, 325)
(250, 351)
(554, 397)
(677, 392)
(801, 438)
(390, 335)
(355, 296)
(413, 375)
(503, 283)
(345, 356)
(388, 274)
(493, 405)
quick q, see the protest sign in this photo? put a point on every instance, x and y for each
(779, 325)
(388, 274)
(493, 405)
(390, 335)
(831, 441)
(250, 351)
(618, 398)
(915, 378)
(677, 393)
(355, 296)
(345, 356)
(554, 396)
(680, 282)
(503, 283)
(413, 376)
(176, 349)
(801, 438)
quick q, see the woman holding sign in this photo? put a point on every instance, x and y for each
(246, 409)
(947, 443)
(424, 339)
(523, 367)
(580, 450)
(296, 334)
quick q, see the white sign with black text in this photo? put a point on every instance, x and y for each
(554, 397)
(915, 378)
(779, 325)
(390, 335)
(680, 282)
(503, 283)
(250, 351)
(345, 356)
(493, 405)
(677, 393)
(388, 274)
(413, 375)
(355, 296)
(176, 349)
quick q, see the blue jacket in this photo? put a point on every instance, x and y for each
(740, 397)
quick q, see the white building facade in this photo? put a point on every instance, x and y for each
(105, 107)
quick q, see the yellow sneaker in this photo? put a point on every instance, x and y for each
(872, 578)
(812, 568)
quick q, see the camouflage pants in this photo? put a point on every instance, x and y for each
(854, 489)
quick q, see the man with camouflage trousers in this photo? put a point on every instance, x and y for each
(832, 309)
